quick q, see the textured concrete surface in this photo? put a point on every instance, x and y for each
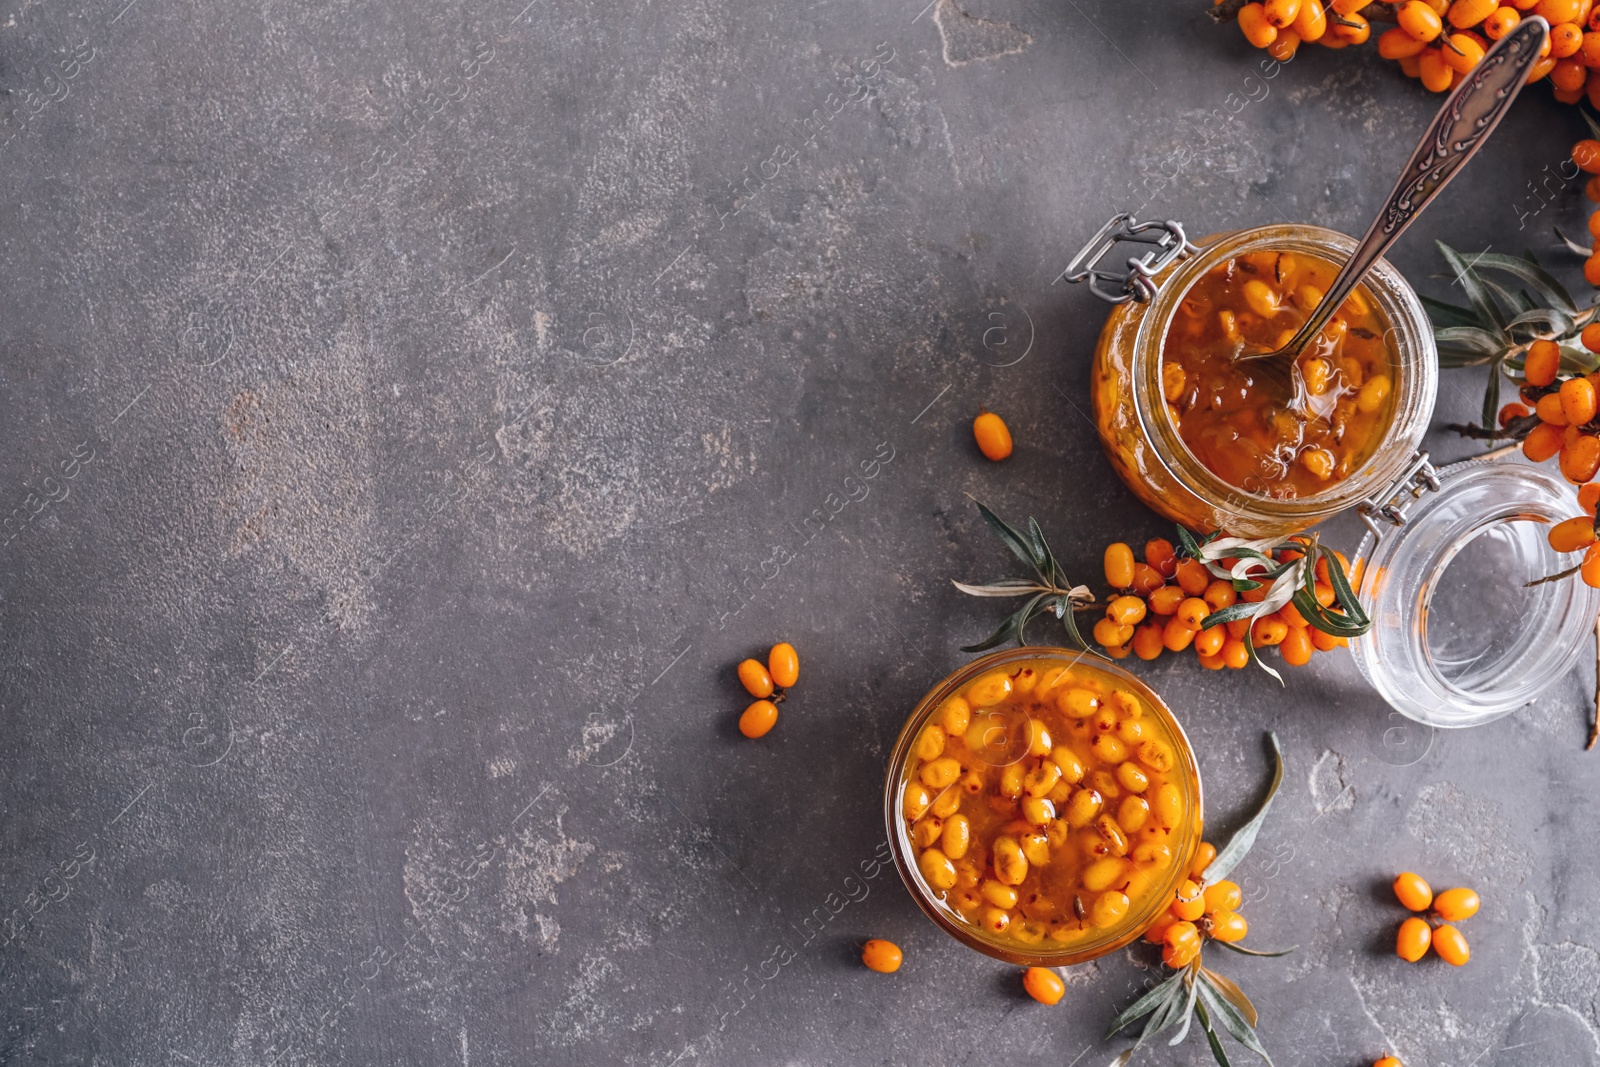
(413, 411)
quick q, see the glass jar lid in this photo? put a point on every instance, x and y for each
(1458, 637)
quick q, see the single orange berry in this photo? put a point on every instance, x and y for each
(1453, 905)
(1193, 578)
(1183, 945)
(1126, 609)
(1542, 363)
(1296, 648)
(783, 663)
(1223, 896)
(1146, 579)
(1189, 903)
(1411, 942)
(882, 956)
(1156, 933)
(1501, 23)
(1119, 565)
(1451, 946)
(1419, 20)
(994, 439)
(1208, 643)
(1255, 27)
(1461, 53)
(1148, 643)
(1572, 534)
(758, 719)
(1312, 22)
(1043, 985)
(1565, 40)
(1542, 442)
(754, 677)
(1165, 601)
(1589, 497)
(1177, 635)
(1282, 13)
(1589, 570)
(1202, 859)
(1465, 13)
(1580, 459)
(1234, 653)
(1577, 401)
(1590, 337)
(1512, 411)
(1396, 43)
(1228, 926)
(1387, 1061)
(1160, 554)
(1548, 408)
(1268, 630)
(1591, 266)
(1413, 891)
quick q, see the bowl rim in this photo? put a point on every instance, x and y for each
(900, 842)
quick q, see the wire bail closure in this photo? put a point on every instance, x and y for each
(1137, 280)
(1391, 504)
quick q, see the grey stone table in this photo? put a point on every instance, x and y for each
(413, 411)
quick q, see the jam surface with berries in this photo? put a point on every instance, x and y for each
(1275, 434)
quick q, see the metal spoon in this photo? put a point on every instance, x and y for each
(1456, 133)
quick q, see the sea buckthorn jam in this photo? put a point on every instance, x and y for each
(1275, 435)
(1046, 804)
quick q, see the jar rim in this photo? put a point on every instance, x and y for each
(1414, 351)
(900, 842)
(1403, 571)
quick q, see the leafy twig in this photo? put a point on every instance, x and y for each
(1047, 591)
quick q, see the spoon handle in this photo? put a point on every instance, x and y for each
(1456, 133)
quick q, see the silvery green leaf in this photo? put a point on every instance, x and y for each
(1233, 947)
(1145, 1004)
(1007, 629)
(1015, 541)
(1444, 314)
(1468, 338)
(1231, 1018)
(1573, 246)
(1239, 846)
(1188, 1007)
(1482, 300)
(1218, 1053)
(1002, 587)
(1230, 989)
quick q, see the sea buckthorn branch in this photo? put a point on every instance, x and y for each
(1047, 591)
(1203, 910)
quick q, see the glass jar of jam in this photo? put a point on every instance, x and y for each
(1043, 806)
(1259, 449)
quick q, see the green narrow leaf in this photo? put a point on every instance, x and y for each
(1026, 615)
(1015, 541)
(1573, 246)
(1001, 587)
(1145, 1005)
(1470, 338)
(1491, 396)
(1217, 1051)
(1231, 613)
(1188, 1008)
(999, 637)
(1517, 301)
(1489, 313)
(1232, 1020)
(1344, 594)
(1186, 541)
(1070, 622)
(1234, 947)
(1036, 539)
(1239, 846)
(1444, 314)
(1230, 989)
(1250, 650)
(1528, 271)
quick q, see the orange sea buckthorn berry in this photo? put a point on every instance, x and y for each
(1541, 69)
(1203, 856)
(1590, 337)
(1589, 51)
(992, 435)
(1465, 13)
(1512, 411)
(1435, 73)
(1287, 44)
(1119, 565)
(1462, 53)
(1542, 363)
(1501, 23)
(1296, 648)
(758, 719)
(1193, 612)
(1182, 945)
(1556, 12)
(1549, 409)
(1589, 497)
(1159, 553)
(1112, 634)
(783, 663)
(1208, 642)
(1043, 985)
(1235, 654)
(1147, 641)
(1268, 630)
(1412, 891)
(1165, 601)
(1193, 578)
(1451, 946)
(1591, 188)
(1419, 20)
(1572, 534)
(1565, 40)
(1220, 594)
(881, 956)
(1255, 27)
(1580, 460)
(1281, 13)
(1223, 896)
(1387, 1061)
(1177, 634)
(1189, 903)
(1325, 642)
(754, 677)
(1228, 926)
(1577, 400)
(1396, 43)
(1453, 905)
(1146, 579)
(1156, 933)
(1128, 610)
(1352, 29)
(1591, 266)
(1589, 570)
(1542, 442)
(1348, 7)
(1312, 22)
(1412, 939)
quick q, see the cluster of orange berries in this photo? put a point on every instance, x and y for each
(1199, 913)
(1162, 602)
(1420, 932)
(767, 682)
(1436, 41)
